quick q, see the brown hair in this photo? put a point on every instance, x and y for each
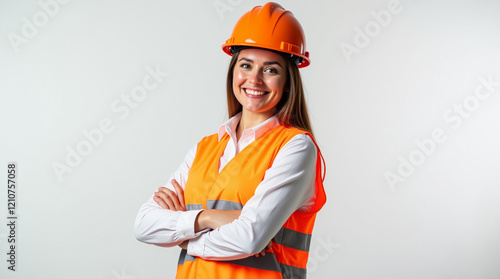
(292, 109)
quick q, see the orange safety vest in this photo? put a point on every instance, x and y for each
(230, 190)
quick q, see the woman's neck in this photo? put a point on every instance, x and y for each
(249, 120)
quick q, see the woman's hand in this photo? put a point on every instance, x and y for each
(184, 244)
(219, 218)
(215, 218)
(210, 218)
(168, 199)
(263, 252)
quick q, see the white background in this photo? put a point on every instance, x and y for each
(440, 220)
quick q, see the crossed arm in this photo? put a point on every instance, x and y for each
(206, 219)
(228, 235)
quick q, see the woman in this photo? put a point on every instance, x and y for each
(244, 201)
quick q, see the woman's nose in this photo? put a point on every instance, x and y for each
(255, 77)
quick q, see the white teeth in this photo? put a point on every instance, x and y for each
(253, 92)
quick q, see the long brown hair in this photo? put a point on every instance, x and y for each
(292, 109)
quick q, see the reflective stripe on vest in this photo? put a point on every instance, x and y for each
(266, 262)
(230, 189)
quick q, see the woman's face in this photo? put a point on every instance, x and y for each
(259, 78)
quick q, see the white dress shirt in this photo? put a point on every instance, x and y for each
(287, 186)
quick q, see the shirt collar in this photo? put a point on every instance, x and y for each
(230, 126)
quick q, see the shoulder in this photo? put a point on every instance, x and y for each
(209, 138)
(299, 137)
(303, 142)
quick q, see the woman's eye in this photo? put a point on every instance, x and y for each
(245, 66)
(271, 71)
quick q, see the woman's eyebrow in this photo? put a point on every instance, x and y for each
(265, 63)
(273, 63)
(246, 59)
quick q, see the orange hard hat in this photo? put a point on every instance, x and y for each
(270, 27)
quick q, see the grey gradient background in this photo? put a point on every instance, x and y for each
(368, 109)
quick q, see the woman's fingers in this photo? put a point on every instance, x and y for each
(160, 202)
(163, 200)
(180, 194)
(184, 244)
(263, 252)
(169, 199)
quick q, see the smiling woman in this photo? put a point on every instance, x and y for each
(244, 201)
(258, 84)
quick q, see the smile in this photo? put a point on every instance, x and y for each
(255, 92)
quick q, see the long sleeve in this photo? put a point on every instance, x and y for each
(163, 227)
(286, 187)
